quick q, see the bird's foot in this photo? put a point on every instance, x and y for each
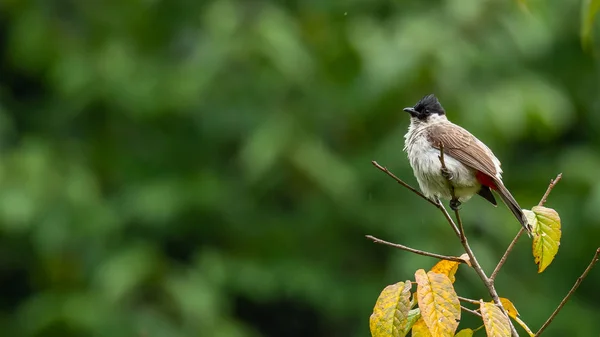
(446, 173)
(455, 204)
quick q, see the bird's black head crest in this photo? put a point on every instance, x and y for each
(425, 107)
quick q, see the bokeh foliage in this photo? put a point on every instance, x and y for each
(202, 168)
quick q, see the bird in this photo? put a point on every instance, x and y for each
(470, 166)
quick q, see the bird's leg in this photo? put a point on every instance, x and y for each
(446, 173)
(455, 204)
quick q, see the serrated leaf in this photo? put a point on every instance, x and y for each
(465, 333)
(589, 10)
(420, 329)
(438, 302)
(447, 268)
(495, 322)
(390, 314)
(510, 308)
(546, 236)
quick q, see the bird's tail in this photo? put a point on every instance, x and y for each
(514, 207)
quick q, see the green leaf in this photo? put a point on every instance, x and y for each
(391, 312)
(589, 10)
(465, 333)
(413, 316)
(546, 235)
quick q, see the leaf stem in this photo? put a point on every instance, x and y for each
(470, 311)
(553, 183)
(570, 293)
(416, 251)
(464, 299)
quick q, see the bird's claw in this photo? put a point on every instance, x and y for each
(446, 173)
(455, 204)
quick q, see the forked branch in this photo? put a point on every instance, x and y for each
(489, 284)
(553, 183)
(459, 231)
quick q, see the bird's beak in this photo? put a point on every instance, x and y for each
(411, 111)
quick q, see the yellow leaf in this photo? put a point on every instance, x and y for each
(546, 236)
(447, 268)
(390, 314)
(438, 302)
(466, 258)
(512, 312)
(524, 326)
(420, 329)
(465, 333)
(510, 308)
(496, 324)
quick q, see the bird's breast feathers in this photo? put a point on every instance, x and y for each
(424, 159)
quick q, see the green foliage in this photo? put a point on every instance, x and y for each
(589, 10)
(202, 168)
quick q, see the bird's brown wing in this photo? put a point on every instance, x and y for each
(462, 146)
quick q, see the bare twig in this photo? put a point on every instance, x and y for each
(449, 218)
(401, 182)
(465, 243)
(505, 256)
(437, 203)
(470, 311)
(553, 183)
(464, 299)
(570, 293)
(549, 189)
(416, 251)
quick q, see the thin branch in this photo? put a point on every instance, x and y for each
(465, 243)
(461, 230)
(401, 182)
(464, 299)
(553, 183)
(449, 218)
(470, 311)
(549, 189)
(489, 284)
(505, 256)
(416, 251)
(437, 204)
(570, 293)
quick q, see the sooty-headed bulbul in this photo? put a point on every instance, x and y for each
(471, 167)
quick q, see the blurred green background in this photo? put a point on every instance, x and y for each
(202, 168)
